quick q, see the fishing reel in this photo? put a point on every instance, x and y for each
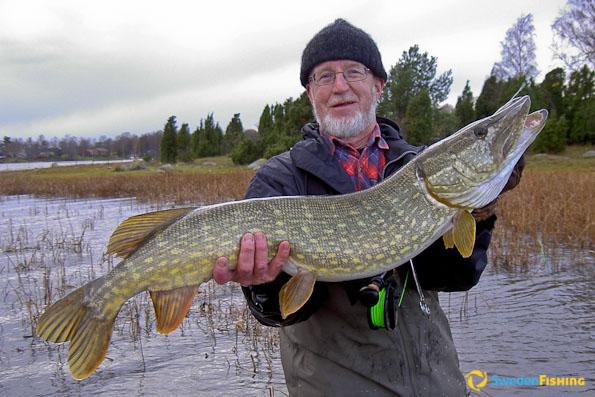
(380, 297)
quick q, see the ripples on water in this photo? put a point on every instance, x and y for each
(509, 325)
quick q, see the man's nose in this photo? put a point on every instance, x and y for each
(340, 84)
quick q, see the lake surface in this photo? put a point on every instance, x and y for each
(47, 164)
(509, 326)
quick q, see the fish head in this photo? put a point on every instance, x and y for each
(470, 168)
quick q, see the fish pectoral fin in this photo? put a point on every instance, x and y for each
(133, 231)
(295, 293)
(171, 306)
(463, 233)
(448, 239)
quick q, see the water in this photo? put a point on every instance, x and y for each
(510, 325)
(46, 164)
(528, 325)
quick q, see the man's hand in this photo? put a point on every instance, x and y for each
(481, 214)
(253, 266)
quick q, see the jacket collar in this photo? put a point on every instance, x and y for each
(313, 154)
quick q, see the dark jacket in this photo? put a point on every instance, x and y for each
(309, 169)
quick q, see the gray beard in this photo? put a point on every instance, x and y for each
(347, 128)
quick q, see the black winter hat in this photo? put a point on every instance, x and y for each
(341, 40)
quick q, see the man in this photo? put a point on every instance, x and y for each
(328, 346)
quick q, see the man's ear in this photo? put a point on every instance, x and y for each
(379, 83)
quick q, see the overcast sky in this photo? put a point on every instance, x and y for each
(92, 68)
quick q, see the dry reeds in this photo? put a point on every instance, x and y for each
(176, 188)
(549, 218)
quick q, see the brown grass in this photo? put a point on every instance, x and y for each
(178, 188)
(550, 213)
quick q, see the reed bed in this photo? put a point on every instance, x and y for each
(548, 219)
(176, 188)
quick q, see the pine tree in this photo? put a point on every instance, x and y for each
(464, 108)
(233, 133)
(418, 122)
(413, 73)
(168, 147)
(183, 143)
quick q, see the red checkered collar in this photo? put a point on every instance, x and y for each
(375, 139)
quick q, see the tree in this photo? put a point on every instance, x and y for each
(207, 140)
(488, 101)
(168, 147)
(418, 121)
(464, 108)
(245, 152)
(183, 143)
(552, 92)
(445, 122)
(233, 133)
(413, 73)
(553, 137)
(574, 35)
(518, 51)
(580, 107)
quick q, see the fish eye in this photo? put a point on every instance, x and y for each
(480, 131)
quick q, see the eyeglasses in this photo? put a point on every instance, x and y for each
(326, 77)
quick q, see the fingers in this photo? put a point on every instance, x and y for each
(515, 176)
(481, 214)
(252, 266)
(221, 273)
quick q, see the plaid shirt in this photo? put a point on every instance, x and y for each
(365, 165)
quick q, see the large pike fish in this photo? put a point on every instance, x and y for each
(333, 238)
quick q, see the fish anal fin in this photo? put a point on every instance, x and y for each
(171, 306)
(295, 293)
(133, 231)
(464, 233)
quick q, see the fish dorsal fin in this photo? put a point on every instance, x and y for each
(136, 229)
(295, 293)
(463, 233)
(171, 306)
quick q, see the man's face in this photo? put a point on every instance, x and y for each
(345, 109)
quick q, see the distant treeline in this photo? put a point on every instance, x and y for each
(124, 145)
(570, 101)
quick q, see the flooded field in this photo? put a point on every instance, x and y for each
(539, 322)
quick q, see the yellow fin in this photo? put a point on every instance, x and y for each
(464, 233)
(171, 306)
(133, 231)
(448, 239)
(69, 319)
(295, 293)
(61, 320)
(89, 345)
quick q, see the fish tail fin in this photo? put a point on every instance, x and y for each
(70, 319)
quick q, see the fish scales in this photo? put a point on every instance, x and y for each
(332, 238)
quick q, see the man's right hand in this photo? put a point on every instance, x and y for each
(253, 266)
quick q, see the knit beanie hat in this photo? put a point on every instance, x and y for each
(341, 40)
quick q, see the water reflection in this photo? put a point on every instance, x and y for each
(510, 324)
(528, 325)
